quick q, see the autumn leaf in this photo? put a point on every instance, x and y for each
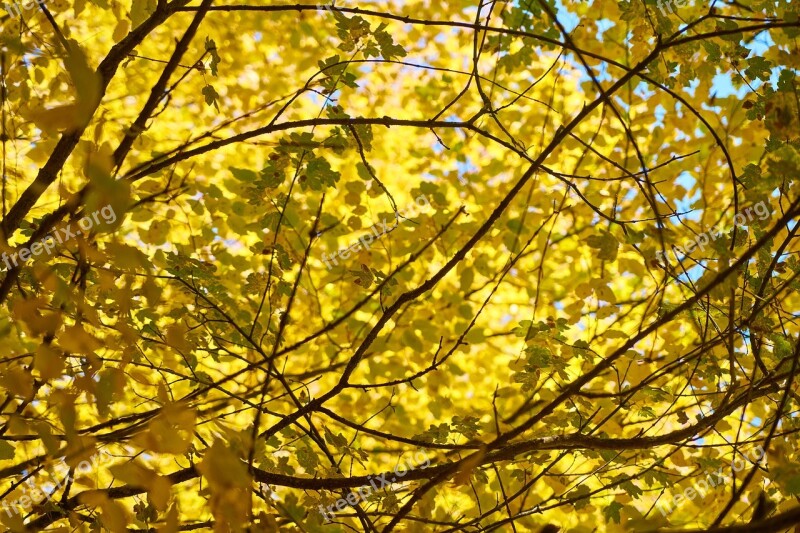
(526, 265)
(606, 243)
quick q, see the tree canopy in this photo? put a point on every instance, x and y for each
(400, 265)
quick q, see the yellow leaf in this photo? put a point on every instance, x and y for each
(93, 498)
(134, 473)
(18, 381)
(121, 30)
(13, 520)
(65, 405)
(140, 10)
(62, 118)
(170, 432)
(99, 161)
(48, 361)
(44, 431)
(107, 196)
(583, 290)
(466, 468)
(139, 376)
(114, 517)
(75, 340)
(678, 458)
(171, 523)
(177, 337)
(126, 257)
(81, 449)
(223, 468)
(86, 81)
(29, 311)
(159, 492)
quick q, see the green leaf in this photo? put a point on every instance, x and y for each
(364, 277)
(307, 459)
(634, 237)
(782, 347)
(387, 45)
(320, 174)
(412, 341)
(793, 485)
(786, 83)
(6, 450)
(713, 50)
(211, 48)
(335, 440)
(723, 25)
(242, 174)
(580, 494)
(436, 433)
(758, 67)
(468, 426)
(332, 65)
(211, 96)
(363, 171)
(539, 357)
(297, 143)
(751, 175)
(612, 512)
(364, 132)
(629, 487)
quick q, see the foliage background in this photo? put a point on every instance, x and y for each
(520, 331)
